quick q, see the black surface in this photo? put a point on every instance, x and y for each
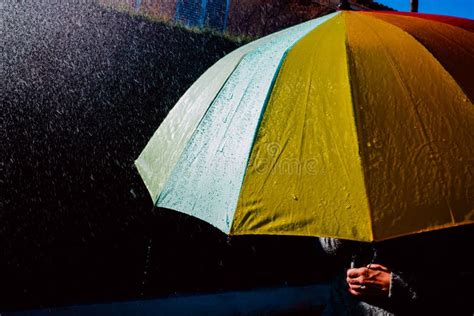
(82, 91)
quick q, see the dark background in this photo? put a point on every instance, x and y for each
(82, 90)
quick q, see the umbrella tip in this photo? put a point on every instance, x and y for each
(344, 5)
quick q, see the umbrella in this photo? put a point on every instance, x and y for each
(356, 125)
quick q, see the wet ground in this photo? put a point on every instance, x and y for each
(82, 90)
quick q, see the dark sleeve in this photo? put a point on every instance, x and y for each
(402, 288)
(436, 276)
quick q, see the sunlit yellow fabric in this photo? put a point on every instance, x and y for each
(452, 46)
(304, 175)
(415, 128)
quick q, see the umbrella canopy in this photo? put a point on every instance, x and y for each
(356, 125)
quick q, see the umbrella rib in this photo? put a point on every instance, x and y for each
(357, 122)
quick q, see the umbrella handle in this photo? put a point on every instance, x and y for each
(374, 256)
(353, 260)
(372, 261)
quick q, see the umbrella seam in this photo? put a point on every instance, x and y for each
(357, 125)
(264, 108)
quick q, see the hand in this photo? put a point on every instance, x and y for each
(370, 281)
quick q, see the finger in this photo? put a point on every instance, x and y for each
(368, 282)
(375, 266)
(358, 287)
(352, 281)
(352, 273)
(355, 272)
(363, 281)
(359, 280)
(355, 293)
(371, 274)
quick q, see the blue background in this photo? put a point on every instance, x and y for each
(459, 8)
